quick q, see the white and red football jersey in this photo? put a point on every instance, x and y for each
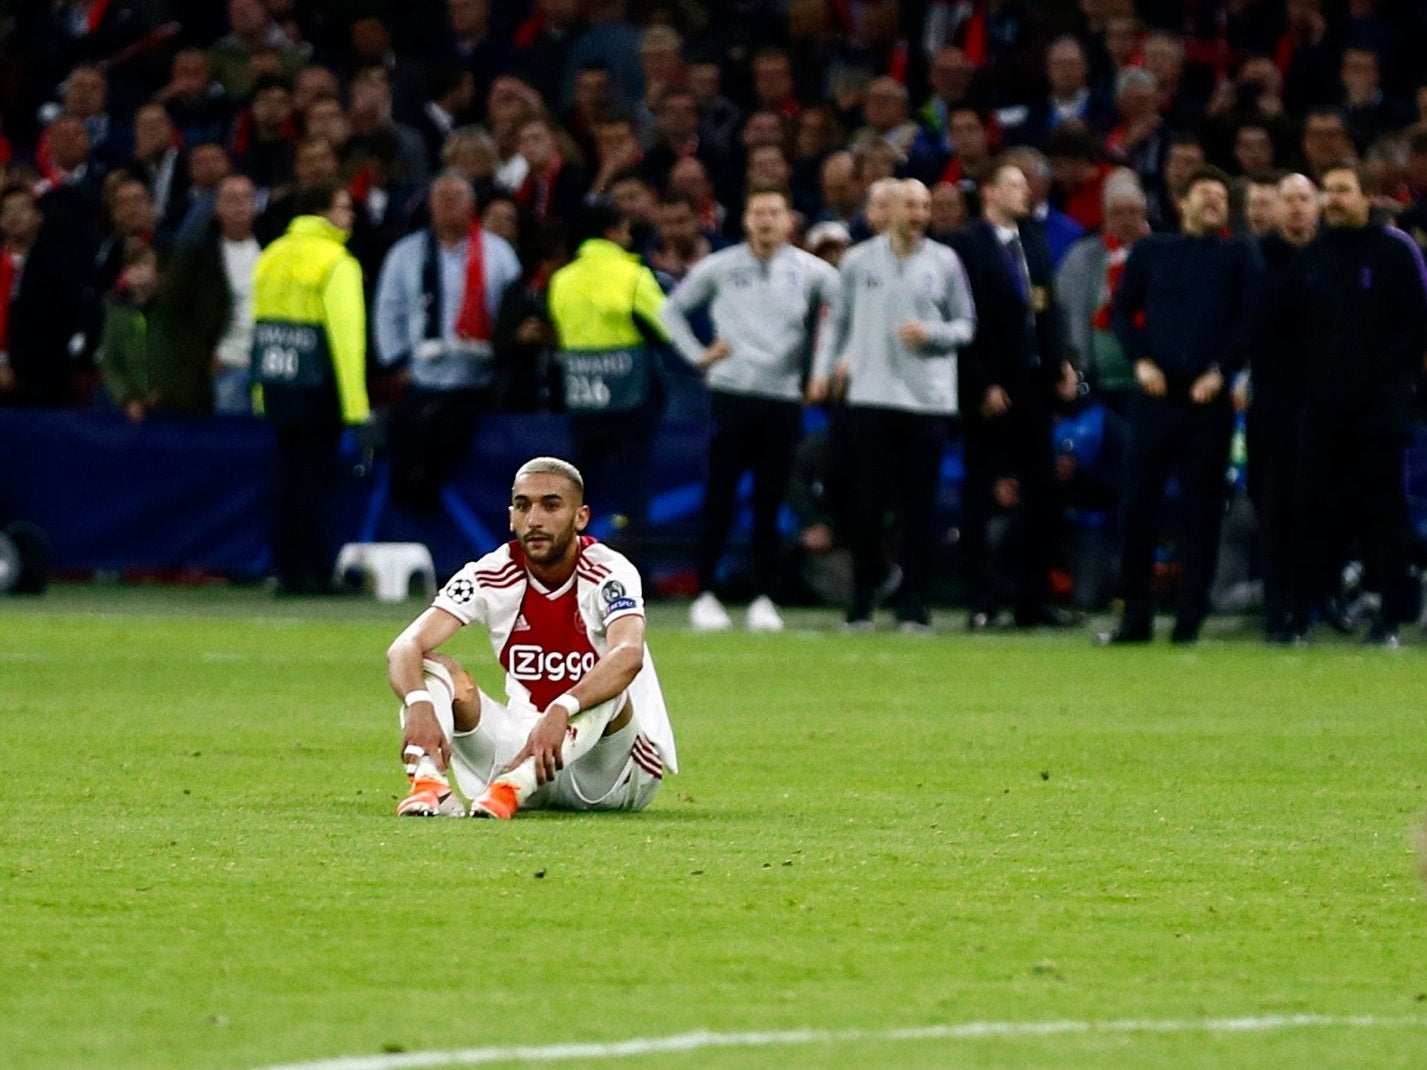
(548, 640)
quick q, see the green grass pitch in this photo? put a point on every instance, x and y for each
(199, 866)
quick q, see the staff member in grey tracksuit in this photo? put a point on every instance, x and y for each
(766, 299)
(904, 311)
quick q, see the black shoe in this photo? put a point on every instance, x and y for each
(1125, 635)
(1186, 632)
(1338, 614)
(1383, 635)
(980, 622)
(1287, 635)
(1044, 616)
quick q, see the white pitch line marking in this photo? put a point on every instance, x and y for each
(681, 1042)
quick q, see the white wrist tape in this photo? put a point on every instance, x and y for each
(569, 701)
(413, 697)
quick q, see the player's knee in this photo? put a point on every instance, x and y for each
(465, 697)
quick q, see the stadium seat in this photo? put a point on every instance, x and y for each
(391, 566)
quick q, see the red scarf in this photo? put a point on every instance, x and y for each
(96, 16)
(7, 294)
(473, 323)
(1114, 271)
(535, 191)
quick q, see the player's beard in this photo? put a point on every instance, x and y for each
(550, 547)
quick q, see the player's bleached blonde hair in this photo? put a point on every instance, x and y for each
(551, 466)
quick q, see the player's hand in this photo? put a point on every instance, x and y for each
(1067, 387)
(1207, 387)
(544, 744)
(715, 353)
(995, 402)
(914, 334)
(1151, 378)
(135, 411)
(841, 376)
(818, 391)
(7, 378)
(422, 730)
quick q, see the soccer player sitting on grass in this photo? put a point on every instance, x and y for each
(584, 727)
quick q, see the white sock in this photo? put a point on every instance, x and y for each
(586, 728)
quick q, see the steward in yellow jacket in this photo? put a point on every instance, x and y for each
(309, 359)
(605, 306)
(310, 336)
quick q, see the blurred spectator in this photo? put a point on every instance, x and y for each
(886, 115)
(475, 48)
(208, 289)
(765, 298)
(1164, 59)
(554, 187)
(84, 95)
(1070, 100)
(638, 204)
(841, 189)
(690, 179)
(314, 161)
(1369, 112)
(816, 136)
(264, 134)
(471, 152)
(773, 86)
(1307, 57)
(449, 104)
(1253, 149)
(527, 373)
(610, 39)
(501, 217)
(440, 291)
(309, 353)
(971, 144)
(1080, 173)
(617, 151)
(196, 104)
(718, 116)
(543, 44)
(314, 83)
(948, 212)
(253, 32)
(1141, 137)
(371, 119)
(661, 61)
(828, 241)
(952, 77)
(160, 162)
(1326, 141)
(1197, 292)
(679, 243)
(40, 286)
(1184, 158)
(132, 219)
(71, 187)
(145, 370)
(1261, 214)
(676, 135)
(1085, 287)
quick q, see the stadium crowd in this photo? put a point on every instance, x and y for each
(1078, 237)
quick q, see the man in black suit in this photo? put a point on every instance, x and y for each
(1010, 380)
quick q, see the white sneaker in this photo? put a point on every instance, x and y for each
(708, 615)
(763, 615)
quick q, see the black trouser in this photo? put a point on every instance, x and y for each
(307, 469)
(1193, 440)
(1351, 482)
(1016, 445)
(750, 434)
(1273, 477)
(614, 452)
(897, 469)
(430, 433)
